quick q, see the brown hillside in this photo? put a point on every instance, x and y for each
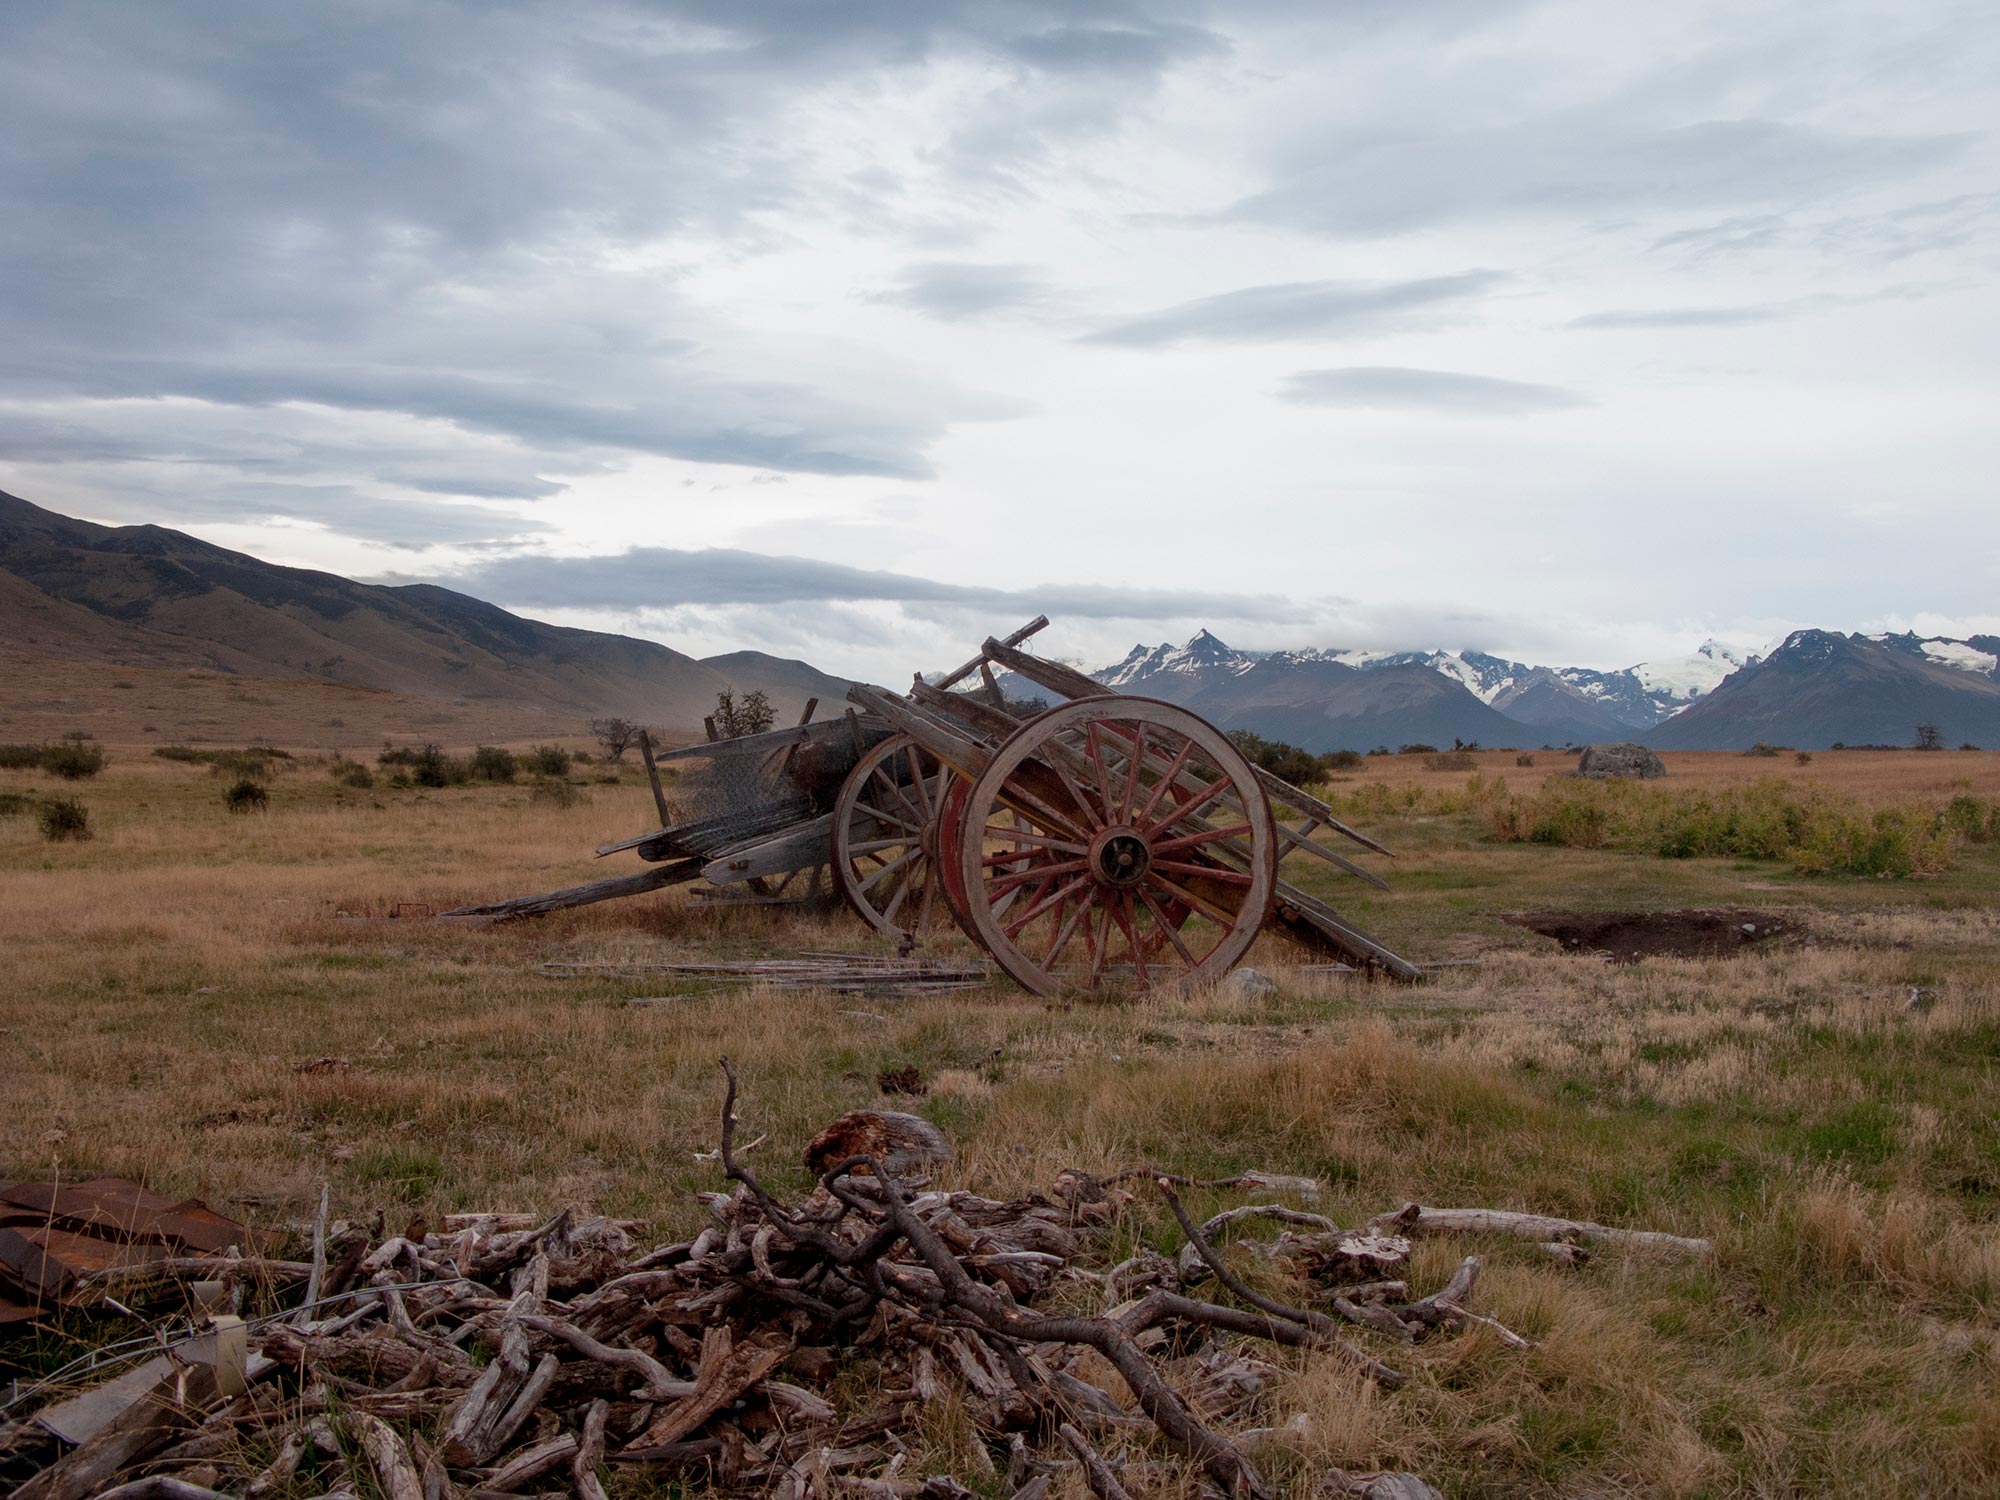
(148, 596)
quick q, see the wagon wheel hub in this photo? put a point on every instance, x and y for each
(1120, 856)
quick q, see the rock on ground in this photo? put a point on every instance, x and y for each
(1601, 762)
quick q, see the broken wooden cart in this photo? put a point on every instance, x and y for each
(1108, 840)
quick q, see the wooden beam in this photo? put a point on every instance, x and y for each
(584, 895)
(653, 775)
(1318, 925)
(1040, 622)
(796, 848)
(947, 744)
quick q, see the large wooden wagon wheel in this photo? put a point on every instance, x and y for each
(885, 836)
(1114, 837)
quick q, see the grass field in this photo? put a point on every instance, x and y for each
(167, 980)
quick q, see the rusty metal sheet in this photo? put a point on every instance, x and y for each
(51, 1233)
(113, 1207)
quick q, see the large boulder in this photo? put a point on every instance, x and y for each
(1602, 762)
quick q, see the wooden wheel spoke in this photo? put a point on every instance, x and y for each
(1197, 903)
(1060, 893)
(1094, 746)
(1065, 927)
(890, 868)
(1166, 926)
(1121, 912)
(1206, 872)
(914, 875)
(1005, 883)
(1185, 810)
(1164, 785)
(1022, 836)
(1132, 768)
(872, 846)
(1097, 948)
(1088, 813)
(1188, 841)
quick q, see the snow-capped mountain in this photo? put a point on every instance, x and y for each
(1202, 656)
(1331, 698)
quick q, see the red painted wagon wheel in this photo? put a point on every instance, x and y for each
(1115, 835)
(885, 836)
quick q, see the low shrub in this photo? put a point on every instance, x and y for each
(550, 792)
(74, 760)
(350, 772)
(63, 819)
(247, 796)
(76, 757)
(185, 753)
(14, 804)
(1762, 749)
(1449, 760)
(546, 760)
(1418, 748)
(491, 763)
(1524, 759)
(1343, 760)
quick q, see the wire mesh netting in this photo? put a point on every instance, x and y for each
(732, 795)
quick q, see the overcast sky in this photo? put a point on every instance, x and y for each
(1576, 332)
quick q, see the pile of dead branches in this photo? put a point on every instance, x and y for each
(789, 1348)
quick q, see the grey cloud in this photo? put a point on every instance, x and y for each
(957, 291)
(1302, 310)
(664, 577)
(407, 210)
(1115, 49)
(1390, 387)
(1747, 315)
(1685, 317)
(1887, 235)
(1581, 164)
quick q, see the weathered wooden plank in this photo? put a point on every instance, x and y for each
(1040, 622)
(1315, 923)
(653, 775)
(584, 895)
(948, 744)
(980, 715)
(796, 848)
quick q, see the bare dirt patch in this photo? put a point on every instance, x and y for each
(1628, 936)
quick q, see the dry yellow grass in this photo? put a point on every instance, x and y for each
(167, 979)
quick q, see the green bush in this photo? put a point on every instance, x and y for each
(13, 804)
(185, 753)
(1816, 832)
(1342, 760)
(1762, 749)
(21, 757)
(247, 796)
(546, 760)
(491, 763)
(63, 819)
(1524, 759)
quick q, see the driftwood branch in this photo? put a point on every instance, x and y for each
(1414, 1219)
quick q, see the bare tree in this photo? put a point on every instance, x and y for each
(752, 715)
(1929, 738)
(616, 735)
